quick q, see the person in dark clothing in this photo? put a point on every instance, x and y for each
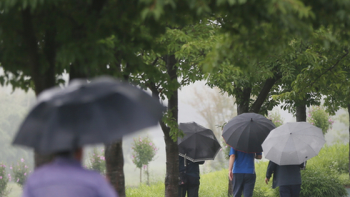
(286, 177)
(189, 177)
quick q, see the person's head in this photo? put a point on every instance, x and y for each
(76, 154)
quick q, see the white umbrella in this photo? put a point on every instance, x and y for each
(293, 143)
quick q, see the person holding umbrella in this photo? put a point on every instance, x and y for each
(63, 121)
(242, 172)
(197, 145)
(286, 177)
(245, 134)
(288, 147)
(189, 177)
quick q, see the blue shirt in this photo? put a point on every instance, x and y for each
(65, 177)
(244, 162)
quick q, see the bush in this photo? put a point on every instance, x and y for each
(97, 161)
(332, 159)
(4, 179)
(276, 118)
(320, 118)
(20, 172)
(317, 183)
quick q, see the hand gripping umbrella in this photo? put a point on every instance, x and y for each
(86, 113)
(198, 144)
(293, 143)
(247, 131)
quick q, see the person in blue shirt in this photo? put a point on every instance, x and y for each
(242, 172)
(189, 177)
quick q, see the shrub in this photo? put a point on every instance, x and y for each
(143, 152)
(20, 171)
(320, 118)
(97, 161)
(276, 118)
(332, 159)
(4, 179)
(316, 183)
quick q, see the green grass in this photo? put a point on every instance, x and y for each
(332, 160)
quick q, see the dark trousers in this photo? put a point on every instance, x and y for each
(243, 183)
(290, 190)
(191, 187)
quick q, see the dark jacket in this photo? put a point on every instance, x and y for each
(192, 168)
(284, 175)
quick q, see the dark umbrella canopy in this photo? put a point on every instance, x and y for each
(86, 113)
(247, 131)
(198, 144)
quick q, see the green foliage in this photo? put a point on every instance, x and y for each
(143, 151)
(318, 117)
(317, 183)
(21, 172)
(332, 159)
(154, 190)
(322, 178)
(97, 161)
(4, 179)
(276, 118)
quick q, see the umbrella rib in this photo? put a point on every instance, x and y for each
(239, 134)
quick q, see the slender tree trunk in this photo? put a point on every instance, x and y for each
(301, 113)
(114, 166)
(349, 137)
(147, 173)
(140, 175)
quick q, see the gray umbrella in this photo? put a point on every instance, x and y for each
(87, 113)
(293, 143)
(198, 144)
(247, 131)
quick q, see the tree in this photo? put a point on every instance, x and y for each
(144, 151)
(173, 66)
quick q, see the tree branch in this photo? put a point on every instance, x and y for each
(264, 92)
(328, 70)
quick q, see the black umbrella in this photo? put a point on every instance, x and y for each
(86, 113)
(246, 132)
(198, 144)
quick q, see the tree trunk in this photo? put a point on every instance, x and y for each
(301, 113)
(172, 151)
(243, 100)
(114, 156)
(114, 166)
(43, 76)
(263, 94)
(140, 175)
(147, 173)
(349, 137)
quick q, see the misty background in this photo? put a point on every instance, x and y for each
(197, 102)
